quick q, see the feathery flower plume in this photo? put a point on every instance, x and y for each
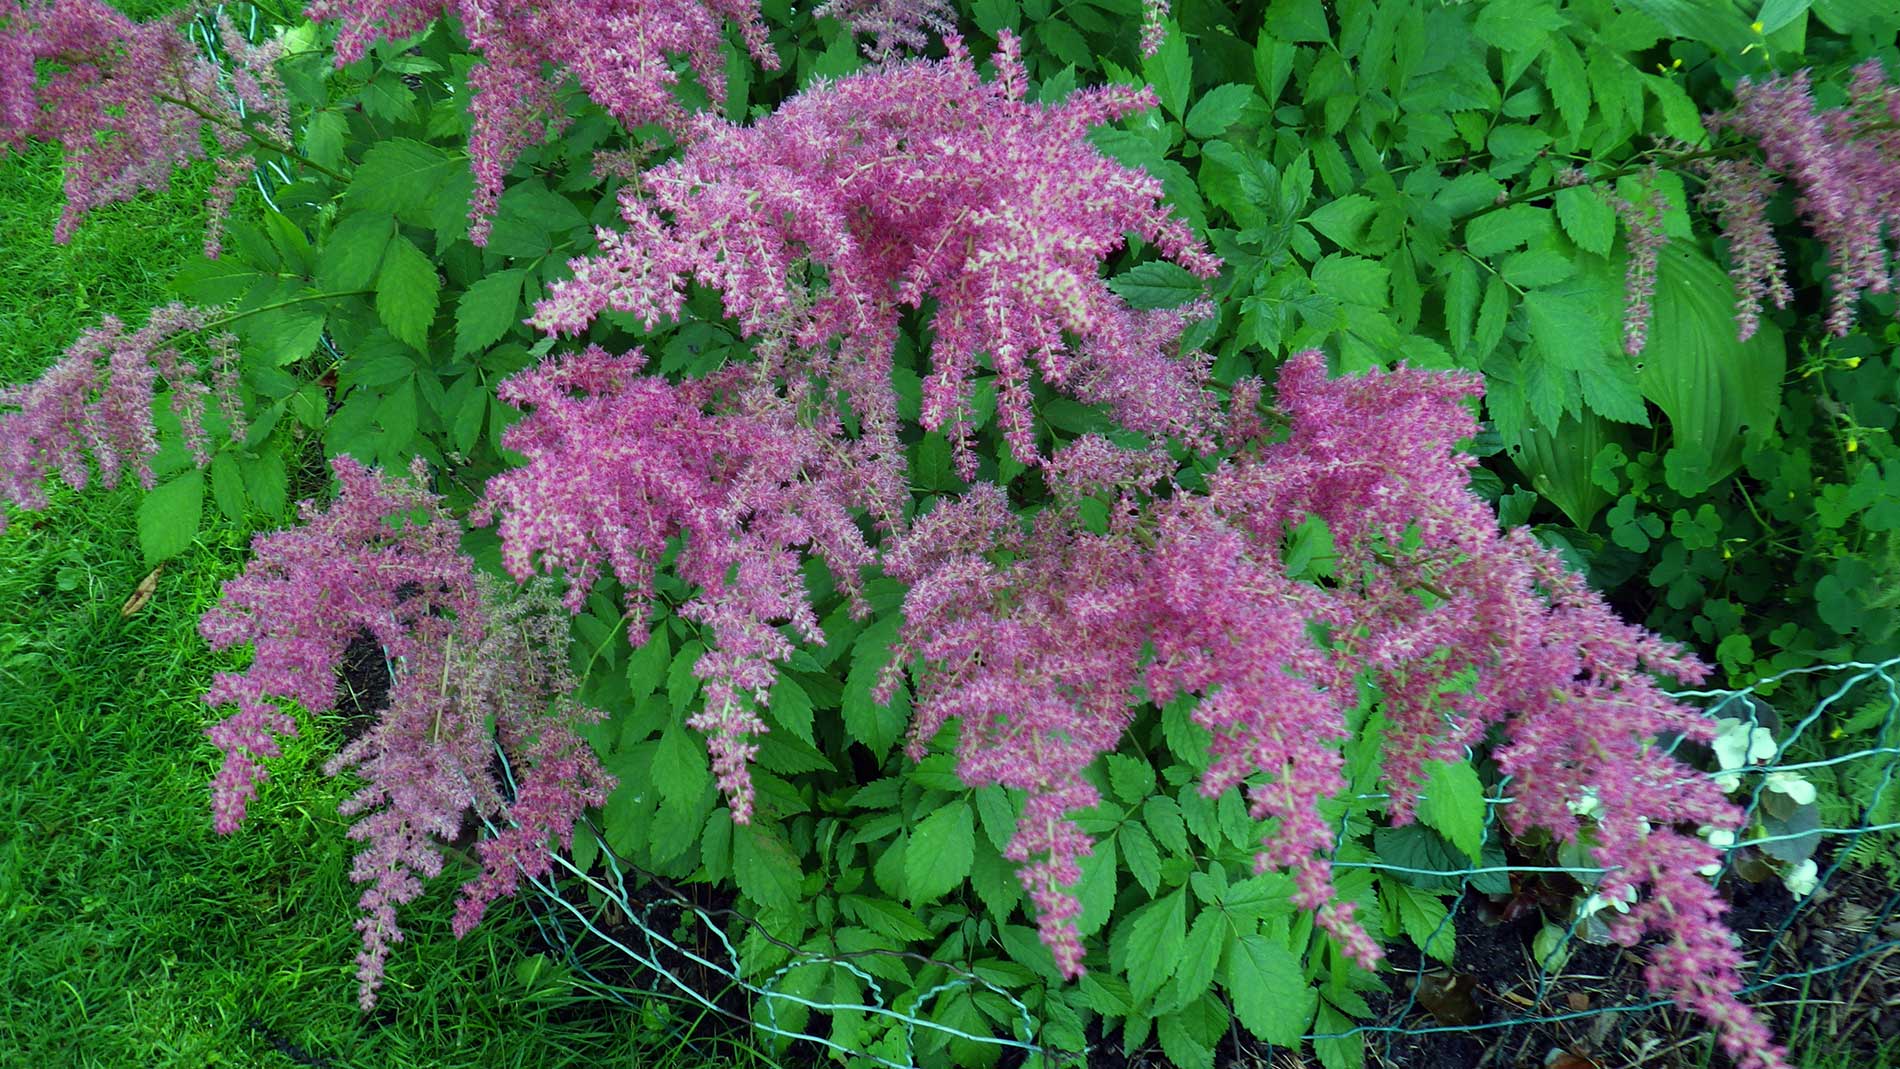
(97, 400)
(748, 470)
(1428, 594)
(894, 26)
(127, 101)
(1642, 223)
(384, 559)
(1845, 163)
(1737, 191)
(911, 183)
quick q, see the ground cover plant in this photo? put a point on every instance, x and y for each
(1002, 495)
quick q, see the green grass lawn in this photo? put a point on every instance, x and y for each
(130, 933)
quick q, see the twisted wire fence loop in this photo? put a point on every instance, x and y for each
(636, 900)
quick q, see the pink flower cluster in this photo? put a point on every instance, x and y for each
(1034, 641)
(914, 183)
(384, 559)
(97, 400)
(1845, 163)
(528, 51)
(128, 101)
(748, 470)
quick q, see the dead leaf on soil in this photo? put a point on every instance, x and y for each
(1447, 996)
(141, 594)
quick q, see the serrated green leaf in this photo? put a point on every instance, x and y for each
(399, 176)
(764, 866)
(792, 708)
(1163, 817)
(1424, 919)
(1096, 888)
(1157, 284)
(1296, 20)
(1200, 955)
(1144, 861)
(1453, 805)
(169, 515)
(940, 853)
(488, 309)
(680, 772)
(1218, 109)
(1468, 192)
(1189, 1035)
(1504, 229)
(1270, 994)
(877, 725)
(1156, 934)
(1516, 26)
(267, 483)
(323, 138)
(1132, 778)
(1587, 218)
(355, 250)
(407, 291)
(1568, 82)
(227, 487)
(1344, 221)
(1171, 71)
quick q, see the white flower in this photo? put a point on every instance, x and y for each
(1801, 879)
(1721, 839)
(1798, 790)
(1595, 903)
(1586, 805)
(1739, 745)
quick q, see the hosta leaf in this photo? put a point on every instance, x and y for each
(1714, 389)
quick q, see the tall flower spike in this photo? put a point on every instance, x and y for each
(97, 401)
(384, 559)
(1845, 163)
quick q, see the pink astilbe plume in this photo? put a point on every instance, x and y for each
(384, 560)
(1844, 163)
(748, 470)
(621, 53)
(912, 183)
(1032, 640)
(96, 401)
(894, 26)
(128, 101)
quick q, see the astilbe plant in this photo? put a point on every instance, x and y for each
(528, 51)
(129, 101)
(916, 182)
(1043, 642)
(384, 559)
(1845, 164)
(96, 401)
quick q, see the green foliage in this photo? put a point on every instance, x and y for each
(1407, 180)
